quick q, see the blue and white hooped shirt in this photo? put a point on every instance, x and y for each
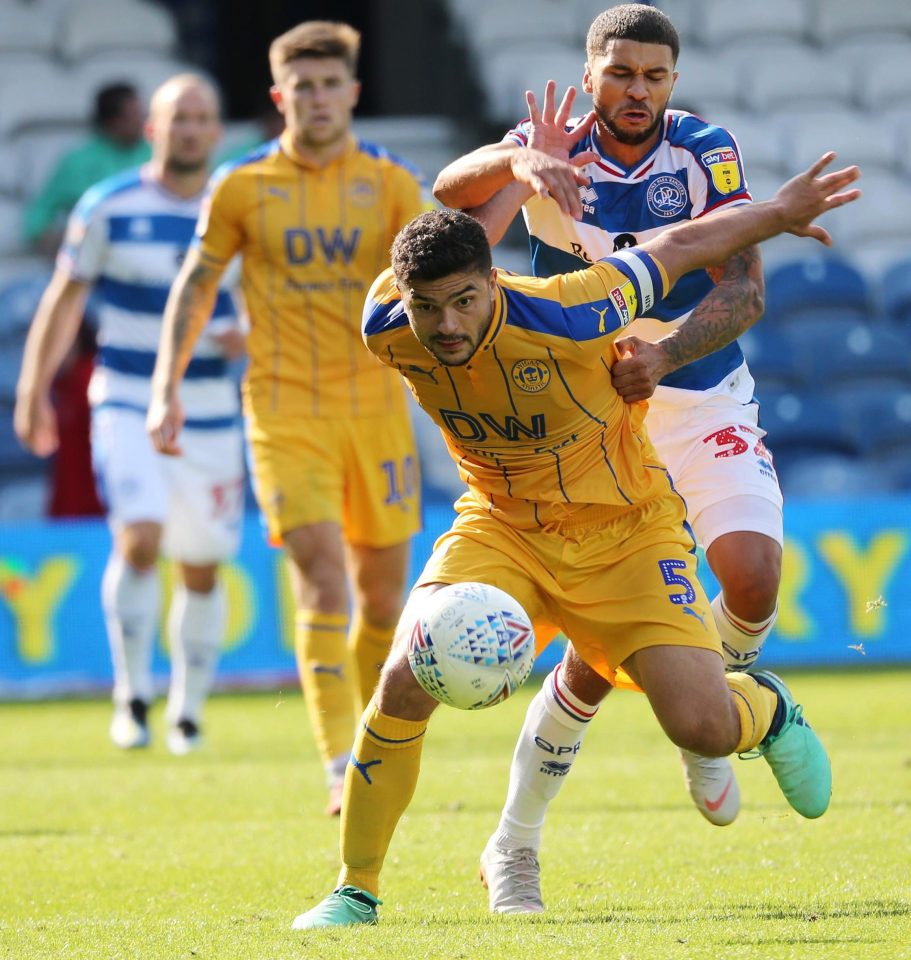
(128, 236)
(693, 169)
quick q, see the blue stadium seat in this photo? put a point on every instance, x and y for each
(832, 351)
(771, 357)
(896, 465)
(801, 423)
(18, 302)
(10, 362)
(877, 415)
(896, 293)
(15, 460)
(833, 475)
(822, 286)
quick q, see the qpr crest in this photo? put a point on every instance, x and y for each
(532, 376)
(666, 196)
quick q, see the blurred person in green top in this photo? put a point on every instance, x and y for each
(117, 144)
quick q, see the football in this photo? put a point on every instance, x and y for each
(472, 646)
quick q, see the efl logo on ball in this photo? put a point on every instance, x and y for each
(472, 646)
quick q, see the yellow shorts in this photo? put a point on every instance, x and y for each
(361, 473)
(612, 587)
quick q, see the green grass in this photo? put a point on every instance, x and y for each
(147, 856)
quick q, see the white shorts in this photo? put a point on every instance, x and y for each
(198, 498)
(720, 466)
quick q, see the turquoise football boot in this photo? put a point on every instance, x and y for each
(796, 755)
(342, 908)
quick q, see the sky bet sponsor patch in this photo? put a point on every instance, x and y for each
(723, 166)
(625, 301)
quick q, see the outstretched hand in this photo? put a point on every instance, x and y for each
(808, 195)
(546, 165)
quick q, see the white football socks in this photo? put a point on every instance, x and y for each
(548, 744)
(196, 627)
(741, 641)
(130, 600)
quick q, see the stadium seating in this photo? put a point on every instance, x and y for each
(832, 475)
(827, 286)
(88, 27)
(772, 19)
(835, 20)
(877, 414)
(896, 293)
(771, 358)
(25, 32)
(834, 352)
(40, 94)
(797, 423)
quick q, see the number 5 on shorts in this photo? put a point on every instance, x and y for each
(667, 568)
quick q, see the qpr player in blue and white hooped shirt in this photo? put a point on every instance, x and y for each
(703, 417)
(127, 237)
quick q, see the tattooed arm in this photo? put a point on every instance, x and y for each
(186, 313)
(733, 306)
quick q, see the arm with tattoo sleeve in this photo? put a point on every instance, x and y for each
(729, 309)
(187, 311)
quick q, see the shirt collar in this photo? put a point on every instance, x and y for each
(290, 151)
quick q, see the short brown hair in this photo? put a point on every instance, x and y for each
(319, 39)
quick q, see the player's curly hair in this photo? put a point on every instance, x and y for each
(439, 243)
(631, 21)
(318, 39)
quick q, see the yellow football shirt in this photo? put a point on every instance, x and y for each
(532, 420)
(311, 242)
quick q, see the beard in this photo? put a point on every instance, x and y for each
(182, 168)
(631, 139)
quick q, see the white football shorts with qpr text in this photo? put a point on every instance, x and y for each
(719, 464)
(198, 497)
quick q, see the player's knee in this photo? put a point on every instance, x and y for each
(140, 548)
(752, 591)
(398, 693)
(709, 735)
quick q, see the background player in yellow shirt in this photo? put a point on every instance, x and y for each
(312, 215)
(568, 508)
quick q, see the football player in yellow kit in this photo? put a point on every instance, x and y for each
(312, 215)
(568, 509)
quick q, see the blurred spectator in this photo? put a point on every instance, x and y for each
(270, 124)
(117, 145)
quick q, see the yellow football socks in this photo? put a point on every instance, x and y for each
(379, 784)
(368, 647)
(756, 706)
(320, 643)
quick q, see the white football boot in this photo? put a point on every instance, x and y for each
(512, 878)
(129, 725)
(184, 737)
(712, 786)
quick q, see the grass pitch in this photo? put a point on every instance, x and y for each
(108, 856)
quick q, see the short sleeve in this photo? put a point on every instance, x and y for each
(519, 134)
(219, 229)
(84, 248)
(720, 179)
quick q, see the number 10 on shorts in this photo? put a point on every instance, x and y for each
(401, 480)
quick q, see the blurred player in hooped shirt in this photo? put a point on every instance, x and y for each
(127, 238)
(312, 215)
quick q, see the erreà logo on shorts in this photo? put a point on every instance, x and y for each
(531, 376)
